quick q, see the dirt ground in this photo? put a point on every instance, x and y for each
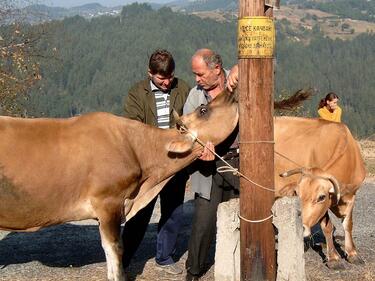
(73, 252)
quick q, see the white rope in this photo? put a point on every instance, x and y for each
(255, 221)
(230, 168)
(256, 142)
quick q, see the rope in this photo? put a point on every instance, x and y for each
(283, 156)
(230, 168)
(235, 172)
(255, 221)
(255, 142)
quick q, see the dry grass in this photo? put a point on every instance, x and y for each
(368, 153)
(330, 24)
(217, 16)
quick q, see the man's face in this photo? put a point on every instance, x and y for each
(163, 83)
(205, 77)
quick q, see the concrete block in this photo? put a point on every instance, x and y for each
(227, 256)
(290, 250)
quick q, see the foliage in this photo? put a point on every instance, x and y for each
(100, 59)
(209, 5)
(354, 9)
(19, 70)
(344, 67)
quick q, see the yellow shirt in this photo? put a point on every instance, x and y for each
(335, 116)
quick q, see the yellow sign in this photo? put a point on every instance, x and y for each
(256, 37)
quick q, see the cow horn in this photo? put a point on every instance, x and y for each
(292, 172)
(336, 186)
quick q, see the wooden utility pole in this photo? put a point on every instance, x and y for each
(256, 42)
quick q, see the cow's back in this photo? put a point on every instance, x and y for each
(50, 167)
(303, 142)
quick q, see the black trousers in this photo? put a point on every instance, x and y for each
(224, 187)
(171, 201)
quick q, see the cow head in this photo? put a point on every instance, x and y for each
(212, 122)
(317, 191)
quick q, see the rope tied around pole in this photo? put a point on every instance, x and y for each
(256, 142)
(229, 168)
(254, 221)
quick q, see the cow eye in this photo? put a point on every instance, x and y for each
(203, 110)
(321, 198)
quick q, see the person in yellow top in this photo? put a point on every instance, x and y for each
(328, 108)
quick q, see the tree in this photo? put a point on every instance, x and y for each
(19, 70)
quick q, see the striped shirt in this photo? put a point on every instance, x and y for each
(162, 106)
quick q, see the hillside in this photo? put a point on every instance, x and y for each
(90, 64)
(300, 19)
(331, 25)
(38, 13)
(357, 10)
(190, 6)
(342, 19)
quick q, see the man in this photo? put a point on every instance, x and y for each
(151, 101)
(210, 187)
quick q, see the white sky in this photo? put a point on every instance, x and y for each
(106, 3)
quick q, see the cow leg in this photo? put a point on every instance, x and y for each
(333, 257)
(110, 228)
(350, 250)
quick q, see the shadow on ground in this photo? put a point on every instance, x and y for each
(78, 245)
(57, 246)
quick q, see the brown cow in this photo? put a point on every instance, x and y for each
(329, 172)
(97, 166)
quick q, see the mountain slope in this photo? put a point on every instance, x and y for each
(99, 59)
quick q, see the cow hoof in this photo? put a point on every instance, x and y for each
(355, 260)
(336, 265)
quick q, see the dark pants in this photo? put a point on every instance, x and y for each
(224, 187)
(171, 201)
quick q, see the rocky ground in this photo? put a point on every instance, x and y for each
(73, 252)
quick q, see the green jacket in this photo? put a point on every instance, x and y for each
(140, 103)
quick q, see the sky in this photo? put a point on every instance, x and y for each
(106, 3)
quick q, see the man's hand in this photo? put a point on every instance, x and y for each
(232, 79)
(207, 155)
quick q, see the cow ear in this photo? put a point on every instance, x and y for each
(288, 190)
(182, 145)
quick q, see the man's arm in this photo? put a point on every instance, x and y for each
(207, 155)
(232, 79)
(189, 105)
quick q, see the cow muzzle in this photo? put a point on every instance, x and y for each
(306, 231)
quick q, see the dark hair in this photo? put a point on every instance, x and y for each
(161, 62)
(212, 59)
(329, 97)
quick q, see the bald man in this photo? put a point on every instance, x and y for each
(210, 187)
